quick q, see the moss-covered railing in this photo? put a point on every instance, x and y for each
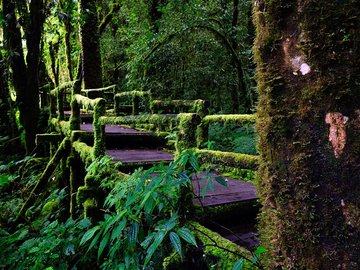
(57, 99)
(203, 128)
(229, 159)
(133, 100)
(184, 123)
(199, 106)
(235, 163)
(108, 93)
(98, 106)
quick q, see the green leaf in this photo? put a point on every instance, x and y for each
(89, 234)
(157, 241)
(203, 191)
(171, 223)
(118, 229)
(260, 250)
(239, 265)
(221, 180)
(103, 244)
(148, 194)
(194, 163)
(176, 243)
(94, 241)
(211, 185)
(134, 230)
(148, 240)
(186, 234)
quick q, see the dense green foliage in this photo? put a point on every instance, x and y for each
(145, 220)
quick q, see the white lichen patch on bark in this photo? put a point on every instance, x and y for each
(305, 68)
(337, 131)
(295, 58)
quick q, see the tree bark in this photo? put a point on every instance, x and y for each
(12, 38)
(308, 56)
(6, 126)
(90, 45)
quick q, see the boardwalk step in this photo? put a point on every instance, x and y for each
(139, 155)
(118, 137)
(235, 191)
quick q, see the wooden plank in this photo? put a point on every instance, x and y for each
(114, 129)
(139, 155)
(235, 191)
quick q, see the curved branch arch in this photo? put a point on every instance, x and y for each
(218, 35)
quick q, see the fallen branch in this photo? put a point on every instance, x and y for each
(50, 167)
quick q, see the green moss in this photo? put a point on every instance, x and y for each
(58, 92)
(62, 87)
(98, 106)
(62, 127)
(172, 261)
(216, 245)
(84, 193)
(230, 118)
(162, 122)
(240, 161)
(85, 152)
(139, 99)
(91, 209)
(99, 129)
(49, 207)
(186, 134)
(198, 106)
(99, 92)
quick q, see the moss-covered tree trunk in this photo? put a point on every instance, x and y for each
(308, 56)
(6, 123)
(25, 75)
(90, 45)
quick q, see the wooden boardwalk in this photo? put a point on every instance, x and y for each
(235, 191)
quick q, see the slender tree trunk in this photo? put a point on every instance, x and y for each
(5, 108)
(53, 51)
(68, 29)
(308, 56)
(12, 39)
(33, 36)
(90, 45)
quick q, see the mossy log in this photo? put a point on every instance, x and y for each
(63, 150)
(308, 55)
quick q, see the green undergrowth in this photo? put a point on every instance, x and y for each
(46, 239)
(233, 138)
(143, 222)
